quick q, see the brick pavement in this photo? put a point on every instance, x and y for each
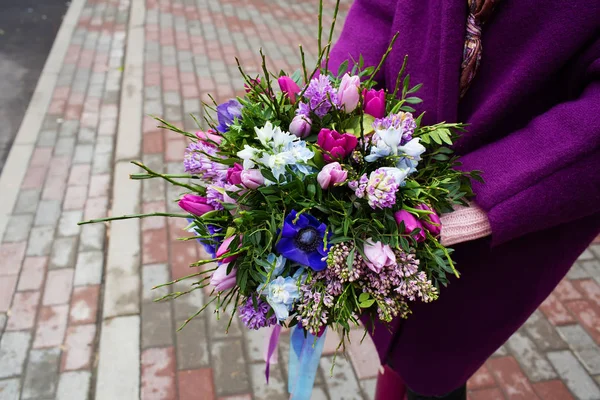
(77, 317)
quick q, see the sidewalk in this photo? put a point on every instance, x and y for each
(77, 320)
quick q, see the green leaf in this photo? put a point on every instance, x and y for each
(343, 68)
(367, 304)
(350, 259)
(297, 77)
(353, 125)
(268, 175)
(413, 100)
(363, 297)
(445, 136)
(441, 157)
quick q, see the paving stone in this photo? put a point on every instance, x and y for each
(40, 241)
(10, 389)
(41, 376)
(13, 351)
(74, 385)
(67, 225)
(92, 237)
(319, 393)
(157, 326)
(277, 387)
(583, 346)
(534, 364)
(52, 324)
(342, 385)
(153, 275)
(158, 374)
(48, 213)
(368, 387)
(587, 315)
(229, 367)
(574, 375)
(481, 379)
(8, 284)
(577, 272)
(84, 305)
(255, 342)
(119, 355)
(47, 138)
(23, 311)
(88, 270)
(190, 380)
(217, 324)
(68, 128)
(64, 146)
(59, 284)
(363, 354)
(102, 163)
(586, 255)
(27, 201)
(552, 390)
(64, 251)
(543, 333)
(18, 228)
(510, 378)
(78, 347)
(32, 273)
(11, 257)
(592, 267)
(192, 344)
(2, 323)
(75, 198)
(187, 305)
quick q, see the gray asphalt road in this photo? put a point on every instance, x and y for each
(27, 31)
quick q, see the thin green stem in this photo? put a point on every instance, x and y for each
(131, 216)
(385, 56)
(320, 17)
(175, 176)
(164, 176)
(335, 13)
(303, 65)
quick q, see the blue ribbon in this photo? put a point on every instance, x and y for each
(305, 353)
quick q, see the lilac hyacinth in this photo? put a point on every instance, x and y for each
(196, 161)
(254, 315)
(214, 195)
(381, 189)
(360, 186)
(403, 121)
(321, 96)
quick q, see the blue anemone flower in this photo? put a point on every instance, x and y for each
(226, 113)
(209, 244)
(302, 241)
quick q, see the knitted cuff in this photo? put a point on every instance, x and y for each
(464, 224)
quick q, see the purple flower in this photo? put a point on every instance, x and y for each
(209, 244)
(300, 126)
(321, 95)
(381, 188)
(302, 241)
(374, 102)
(252, 178)
(221, 280)
(234, 174)
(337, 145)
(331, 174)
(379, 255)
(410, 224)
(402, 122)
(226, 113)
(197, 161)
(195, 204)
(348, 92)
(431, 222)
(214, 195)
(254, 315)
(289, 87)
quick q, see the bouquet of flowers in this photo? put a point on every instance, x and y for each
(319, 204)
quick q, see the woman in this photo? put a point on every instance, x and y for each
(533, 105)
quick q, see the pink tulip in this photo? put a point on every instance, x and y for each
(221, 280)
(374, 102)
(289, 87)
(224, 249)
(234, 174)
(208, 136)
(379, 255)
(410, 224)
(195, 204)
(331, 174)
(348, 92)
(339, 145)
(431, 221)
(300, 126)
(252, 178)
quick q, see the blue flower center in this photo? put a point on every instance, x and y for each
(307, 239)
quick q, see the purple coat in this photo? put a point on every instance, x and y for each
(534, 115)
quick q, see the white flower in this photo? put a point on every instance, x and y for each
(399, 174)
(249, 155)
(412, 155)
(277, 163)
(273, 137)
(385, 143)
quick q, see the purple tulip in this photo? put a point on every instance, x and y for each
(347, 95)
(410, 224)
(224, 249)
(234, 174)
(252, 178)
(339, 145)
(374, 101)
(431, 222)
(289, 87)
(195, 204)
(331, 174)
(226, 113)
(221, 280)
(300, 126)
(253, 82)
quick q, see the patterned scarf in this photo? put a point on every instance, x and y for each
(479, 12)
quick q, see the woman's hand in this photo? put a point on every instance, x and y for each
(464, 224)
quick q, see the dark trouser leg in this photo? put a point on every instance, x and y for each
(458, 394)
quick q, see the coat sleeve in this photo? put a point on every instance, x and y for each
(547, 173)
(367, 32)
